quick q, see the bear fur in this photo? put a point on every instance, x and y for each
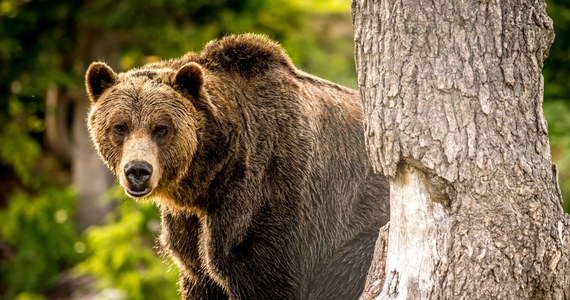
(259, 169)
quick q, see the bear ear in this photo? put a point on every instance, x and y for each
(189, 79)
(98, 78)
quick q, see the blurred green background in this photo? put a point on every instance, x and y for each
(61, 235)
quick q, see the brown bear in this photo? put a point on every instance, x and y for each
(259, 169)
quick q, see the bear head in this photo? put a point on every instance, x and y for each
(144, 124)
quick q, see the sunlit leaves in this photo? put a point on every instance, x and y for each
(121, 256)
(41, 242)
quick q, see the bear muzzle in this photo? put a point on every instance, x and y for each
(138, 175)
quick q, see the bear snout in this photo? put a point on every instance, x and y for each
(138, 174)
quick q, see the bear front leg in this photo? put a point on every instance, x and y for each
(180, 237)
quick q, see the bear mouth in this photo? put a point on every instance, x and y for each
(138, 193)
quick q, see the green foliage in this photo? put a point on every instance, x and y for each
(29, 296)
(328, 53)
(121, 258)
(556, 70)
(39, 231)
(559, 127)
(20, 149)
(36, 223)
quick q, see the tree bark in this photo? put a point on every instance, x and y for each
(452, 93)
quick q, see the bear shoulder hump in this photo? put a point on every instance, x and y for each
(249, 55)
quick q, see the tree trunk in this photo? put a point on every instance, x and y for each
(452, 92)
(90, 176)
(69, 139)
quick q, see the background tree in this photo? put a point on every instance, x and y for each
(453, 105)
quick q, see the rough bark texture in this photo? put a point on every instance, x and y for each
(453, 106)
(376, 273)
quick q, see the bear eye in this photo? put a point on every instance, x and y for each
(120, 129)
(160, 131)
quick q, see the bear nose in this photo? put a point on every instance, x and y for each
(138, 174)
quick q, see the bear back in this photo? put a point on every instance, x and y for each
(248, 55)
